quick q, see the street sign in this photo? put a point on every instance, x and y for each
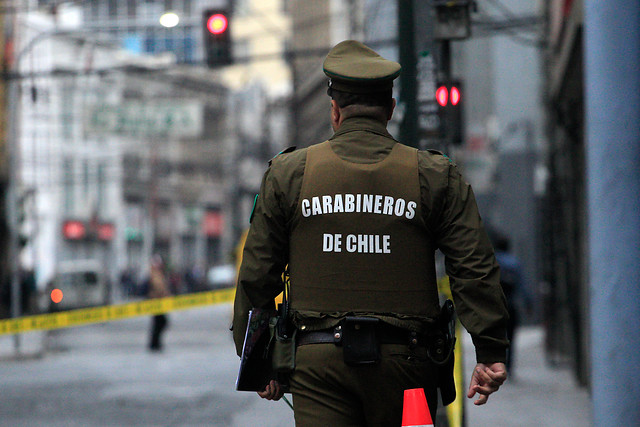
(144, 118)
(427, 109)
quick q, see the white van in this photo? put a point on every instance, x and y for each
(83, 284)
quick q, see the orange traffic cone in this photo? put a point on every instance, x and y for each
(415, 411)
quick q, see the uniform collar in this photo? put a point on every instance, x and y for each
(367, 124)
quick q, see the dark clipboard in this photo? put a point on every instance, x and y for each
(255, 363)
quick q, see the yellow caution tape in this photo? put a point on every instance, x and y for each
(84, 316)
(455, 410)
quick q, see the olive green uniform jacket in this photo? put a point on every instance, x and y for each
(449, 211)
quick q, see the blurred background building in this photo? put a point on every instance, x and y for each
(131, 145)
(121, 153)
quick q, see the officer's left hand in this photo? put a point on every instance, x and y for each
(485, 380)
(272, 391)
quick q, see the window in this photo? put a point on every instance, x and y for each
(67, 182)
(66, 111)
(101, 196)
(131, 8)
(182, 45)
(112, 8)
(86, 189)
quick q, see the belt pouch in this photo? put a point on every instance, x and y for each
(284, 349)
(359, 340)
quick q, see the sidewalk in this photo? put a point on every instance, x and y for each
(536, 395)
(30, 344)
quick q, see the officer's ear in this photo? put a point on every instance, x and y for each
(393, 106)
(335, 114)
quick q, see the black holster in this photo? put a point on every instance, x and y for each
(440, 351)
(284, 346)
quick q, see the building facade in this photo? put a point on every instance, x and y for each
(565, 208)
(121, 155)
(128, 149)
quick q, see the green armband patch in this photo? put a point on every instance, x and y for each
(253, 209)
(432, 151)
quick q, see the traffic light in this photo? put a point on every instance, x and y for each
(217, 37)
(452, 19)
(449, 96)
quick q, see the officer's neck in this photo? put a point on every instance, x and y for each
(339, 119)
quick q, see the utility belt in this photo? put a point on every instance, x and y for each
(384, 332)
(361, 337)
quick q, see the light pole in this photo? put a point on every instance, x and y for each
(15, 164)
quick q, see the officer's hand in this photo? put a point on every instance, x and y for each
(485, 380)
(272, 391)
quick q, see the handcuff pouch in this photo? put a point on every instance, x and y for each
(360, 343)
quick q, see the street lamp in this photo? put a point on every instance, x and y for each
(169, 19)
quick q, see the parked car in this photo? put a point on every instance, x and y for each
(221, 276)
(83, 284)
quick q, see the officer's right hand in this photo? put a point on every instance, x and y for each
(272, 391)
(486, 379)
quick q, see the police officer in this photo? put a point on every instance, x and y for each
(358, 218)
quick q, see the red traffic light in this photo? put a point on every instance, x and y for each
(450, 104)
(455, 95)
(442, 96)
(217, 24)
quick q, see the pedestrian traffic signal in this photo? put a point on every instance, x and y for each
(450, 100)
(217, 37)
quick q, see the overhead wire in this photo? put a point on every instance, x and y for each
(512, 25)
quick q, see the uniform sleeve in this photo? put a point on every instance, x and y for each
(263, 258)
(473, 270)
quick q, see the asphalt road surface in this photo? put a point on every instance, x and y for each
(103, 375)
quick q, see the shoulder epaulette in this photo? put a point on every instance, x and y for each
(285, 151)
(432, 151)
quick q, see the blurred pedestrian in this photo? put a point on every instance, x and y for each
(194, 279)
(357, 219)
(27, 290)
(511, 281)
(158, 288)
(5, 297)
(127, 282)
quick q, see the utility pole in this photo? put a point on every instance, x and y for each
(612, 48)
(4, 166)
(408, 81)
(13, 184)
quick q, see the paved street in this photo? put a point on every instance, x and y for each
(102, 375)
